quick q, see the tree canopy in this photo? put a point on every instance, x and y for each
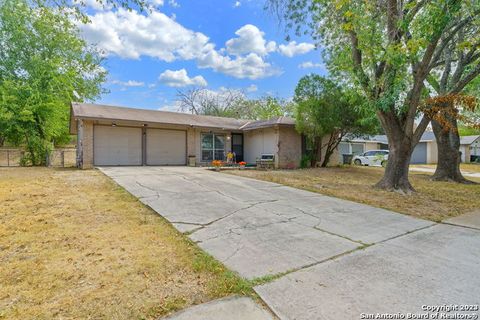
(388, 50)
(232, 103)
(44, 65)
(325, 113)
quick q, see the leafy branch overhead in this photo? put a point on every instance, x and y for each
(443, 108)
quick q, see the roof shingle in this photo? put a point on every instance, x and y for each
(105, 112)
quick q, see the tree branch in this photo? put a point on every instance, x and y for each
(448, 38)
(422, 126)
(413, 12)
(466, 80)
(357, 61)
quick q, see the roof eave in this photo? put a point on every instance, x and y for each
(156, 122)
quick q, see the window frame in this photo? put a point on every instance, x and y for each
(213, 149)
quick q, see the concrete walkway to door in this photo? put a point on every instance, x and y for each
(341, 258)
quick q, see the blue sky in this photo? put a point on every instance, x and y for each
(211, 44)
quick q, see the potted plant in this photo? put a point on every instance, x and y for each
(217, 164)
(242, 164)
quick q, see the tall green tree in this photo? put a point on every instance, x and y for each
(325, 114)
(387, 49)
(44, 65)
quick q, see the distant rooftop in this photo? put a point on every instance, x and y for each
(256, 124)
(427, 136)
(468, 139)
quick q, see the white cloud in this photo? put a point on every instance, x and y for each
(251, 66)
(94, 4)
(158, 3)
(130, 35)
(252, 88)
(173, 3)
(237, 4)
(250, 40)
(129, 83)
(180, 78)
(293, 49)
(310, 64)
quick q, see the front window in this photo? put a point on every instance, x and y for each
(213, 147)
(357, 148)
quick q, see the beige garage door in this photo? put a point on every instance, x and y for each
(166, 147)
(117, 146)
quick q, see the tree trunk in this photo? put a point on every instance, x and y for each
(396, 172)
(316, 152)
(326, 158)
(449, 156)
(334, 141)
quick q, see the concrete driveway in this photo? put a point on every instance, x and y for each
(334, 259)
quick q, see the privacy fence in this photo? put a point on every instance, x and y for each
(62, 157)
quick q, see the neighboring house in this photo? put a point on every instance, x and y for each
(470, 148)
(359, 145)
(111, 136)
(424, 152)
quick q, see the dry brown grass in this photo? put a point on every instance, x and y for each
(434, 200)
(470, 167)
(74, 245)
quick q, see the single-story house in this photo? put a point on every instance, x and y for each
(426, 150)
(116, 136)
(359, 145)
(470, 148)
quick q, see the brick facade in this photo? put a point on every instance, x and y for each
(289, 148)
(85, 144)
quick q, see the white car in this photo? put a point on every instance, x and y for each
(371, 158)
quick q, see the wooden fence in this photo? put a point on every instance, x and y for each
(63, 158)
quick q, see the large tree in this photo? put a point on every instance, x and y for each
(451, 80)
(44, 65)
(387, 49)
(325, 113)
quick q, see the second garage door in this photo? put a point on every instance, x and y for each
(166, 147)
(419, 155)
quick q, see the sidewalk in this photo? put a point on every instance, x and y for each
(432, 170)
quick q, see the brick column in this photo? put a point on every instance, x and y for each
(87, 144)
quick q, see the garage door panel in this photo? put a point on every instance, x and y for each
(419, 155)
(117, 146)
(166, 147)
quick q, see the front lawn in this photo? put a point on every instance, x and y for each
(74, 245)
(434, 200)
